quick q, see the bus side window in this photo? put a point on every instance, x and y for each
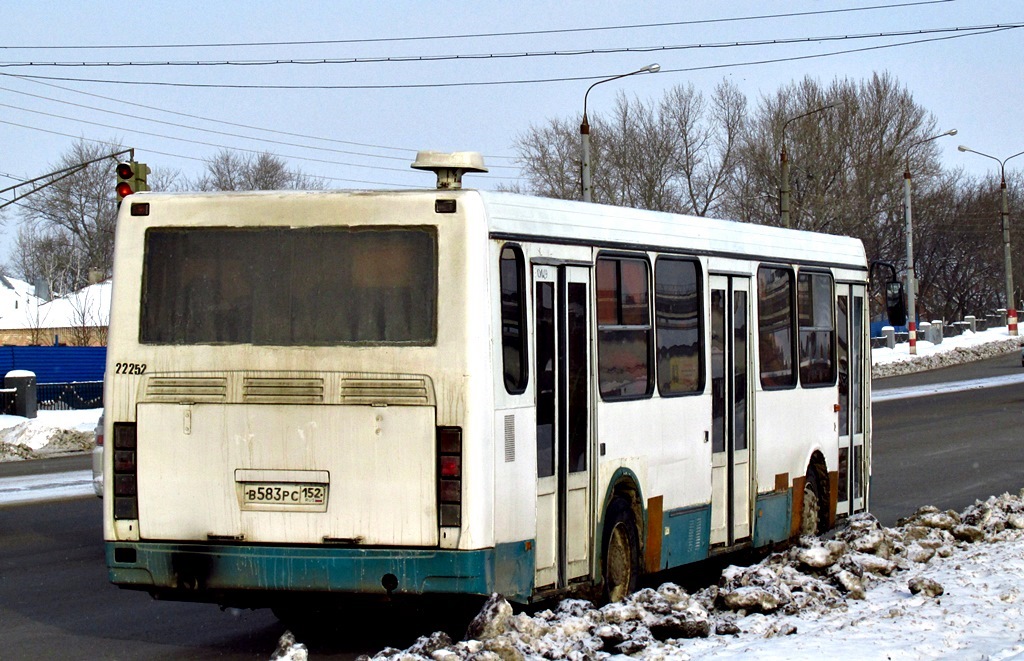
(775, 321)
(512, 273)
(817, 329)
(624, 328)
(677, 302)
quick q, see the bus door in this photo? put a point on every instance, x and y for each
(564, 461)
(731, 411)
(852, 411)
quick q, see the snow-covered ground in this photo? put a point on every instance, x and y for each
(942, 585)
(50, 434)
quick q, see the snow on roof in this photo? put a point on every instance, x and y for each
(18, 286)
(86, 307)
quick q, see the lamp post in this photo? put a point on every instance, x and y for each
(1004, 212)
(585, 126)
(784, 160)
(911, 281)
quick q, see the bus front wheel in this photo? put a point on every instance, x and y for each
(621, 551)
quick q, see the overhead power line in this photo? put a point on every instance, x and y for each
(205, 143)
(482, 83)
(394, 59)
(487, 35)
(132, 104)
(404, 159)
(196, 158)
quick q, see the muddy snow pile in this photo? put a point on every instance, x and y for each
(826, 586)
(28, 441)
(52, 433)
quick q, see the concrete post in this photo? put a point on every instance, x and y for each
(972, 323)
(889, 333)
(924, 331)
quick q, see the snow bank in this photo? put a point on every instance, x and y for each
(52, 433)
(953, 351)
(940, 584)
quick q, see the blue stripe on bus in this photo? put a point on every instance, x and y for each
(507, 569)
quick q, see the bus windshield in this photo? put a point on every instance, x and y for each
(287, 286)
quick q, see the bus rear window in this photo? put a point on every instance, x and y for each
(286, 287)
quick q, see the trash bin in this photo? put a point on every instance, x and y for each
(24, 382)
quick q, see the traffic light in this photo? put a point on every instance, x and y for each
(131, 178)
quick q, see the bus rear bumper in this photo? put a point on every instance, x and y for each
(230, 573)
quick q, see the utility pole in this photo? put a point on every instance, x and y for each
(911, 280)
(1004, 214)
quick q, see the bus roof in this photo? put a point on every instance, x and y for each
(513, 216)
(560, 221)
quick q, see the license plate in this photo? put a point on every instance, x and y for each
(274, 496)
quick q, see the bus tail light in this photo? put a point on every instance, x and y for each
(126, 499)
(449, 470)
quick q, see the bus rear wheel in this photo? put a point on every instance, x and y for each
(621, 551)
(810, 516)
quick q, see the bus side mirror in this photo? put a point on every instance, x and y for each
(895, 303)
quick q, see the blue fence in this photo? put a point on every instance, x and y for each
(877, 326)
(56, 364)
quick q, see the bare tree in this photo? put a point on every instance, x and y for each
(708, 133)
(232, 170)
(847, 162)
(88, 323)
(46, 258)
(960, 260)
(673, 155)
(549, 158)
(71, 222)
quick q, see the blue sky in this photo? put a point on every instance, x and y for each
(368, 137)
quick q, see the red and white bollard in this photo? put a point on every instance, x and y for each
(912, 332)
(1011, 321)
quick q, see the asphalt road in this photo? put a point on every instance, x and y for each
(55, 600)
(949, 449)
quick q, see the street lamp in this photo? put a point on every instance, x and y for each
(1011, 307)
(585, 125)
(784, 191)
(911, 283)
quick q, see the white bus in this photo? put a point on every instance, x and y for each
(459, 392)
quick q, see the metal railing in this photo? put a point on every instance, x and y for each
(7, 398)
(70, 396)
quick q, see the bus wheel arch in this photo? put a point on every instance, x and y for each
(815, 509)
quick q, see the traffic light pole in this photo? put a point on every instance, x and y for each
(64, 173)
